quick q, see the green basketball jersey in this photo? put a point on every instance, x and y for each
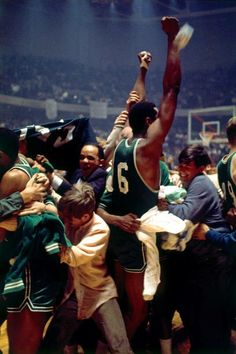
(127, 193)
(24, 166)
(131, 194)
(224, 169)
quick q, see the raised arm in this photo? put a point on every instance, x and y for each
(138, 93)
(149, 149)
(139, 89)
(171, 84)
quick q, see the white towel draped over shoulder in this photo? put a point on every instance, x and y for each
(152, 222)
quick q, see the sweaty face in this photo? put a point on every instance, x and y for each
(187, 171)
(89, 159)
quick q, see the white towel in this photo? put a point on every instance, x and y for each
(152, 222)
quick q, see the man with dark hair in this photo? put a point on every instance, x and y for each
(136, 178)
(196, 282)
(90, 170)
(138, 116)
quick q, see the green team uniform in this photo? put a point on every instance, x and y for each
(9, 245)
(129, 194)
(36, 277)
(224, 170)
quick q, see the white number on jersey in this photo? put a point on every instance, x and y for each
(122, 181)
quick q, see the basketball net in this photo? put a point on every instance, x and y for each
(206, 137)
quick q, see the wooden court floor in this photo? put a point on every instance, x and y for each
(3, 339)
(177, 325)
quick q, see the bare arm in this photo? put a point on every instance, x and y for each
(138, 93)
(114, 136)
(13, 181)
(177, 40)
(171, 83)
(149, 149)
(15, 201)
(145, 59)
(32, 192)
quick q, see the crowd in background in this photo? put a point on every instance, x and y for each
(69, 82)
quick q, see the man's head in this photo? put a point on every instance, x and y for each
(91, 157)
(141, 115)
(231, 130)
(9, 147)
(192, 161)
(76, 207)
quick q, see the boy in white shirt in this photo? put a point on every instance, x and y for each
(90, 291)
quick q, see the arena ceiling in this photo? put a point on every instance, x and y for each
(158, 8)
(125, 9)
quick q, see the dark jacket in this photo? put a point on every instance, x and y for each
(97, 180)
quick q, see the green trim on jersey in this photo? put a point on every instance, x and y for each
(129, 194)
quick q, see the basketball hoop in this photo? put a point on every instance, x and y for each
(206, 137)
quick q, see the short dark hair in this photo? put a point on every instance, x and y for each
(231, 130)
(78, 201)
(196, 153)
(100, 149)
(9, 143)
(138, 114)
